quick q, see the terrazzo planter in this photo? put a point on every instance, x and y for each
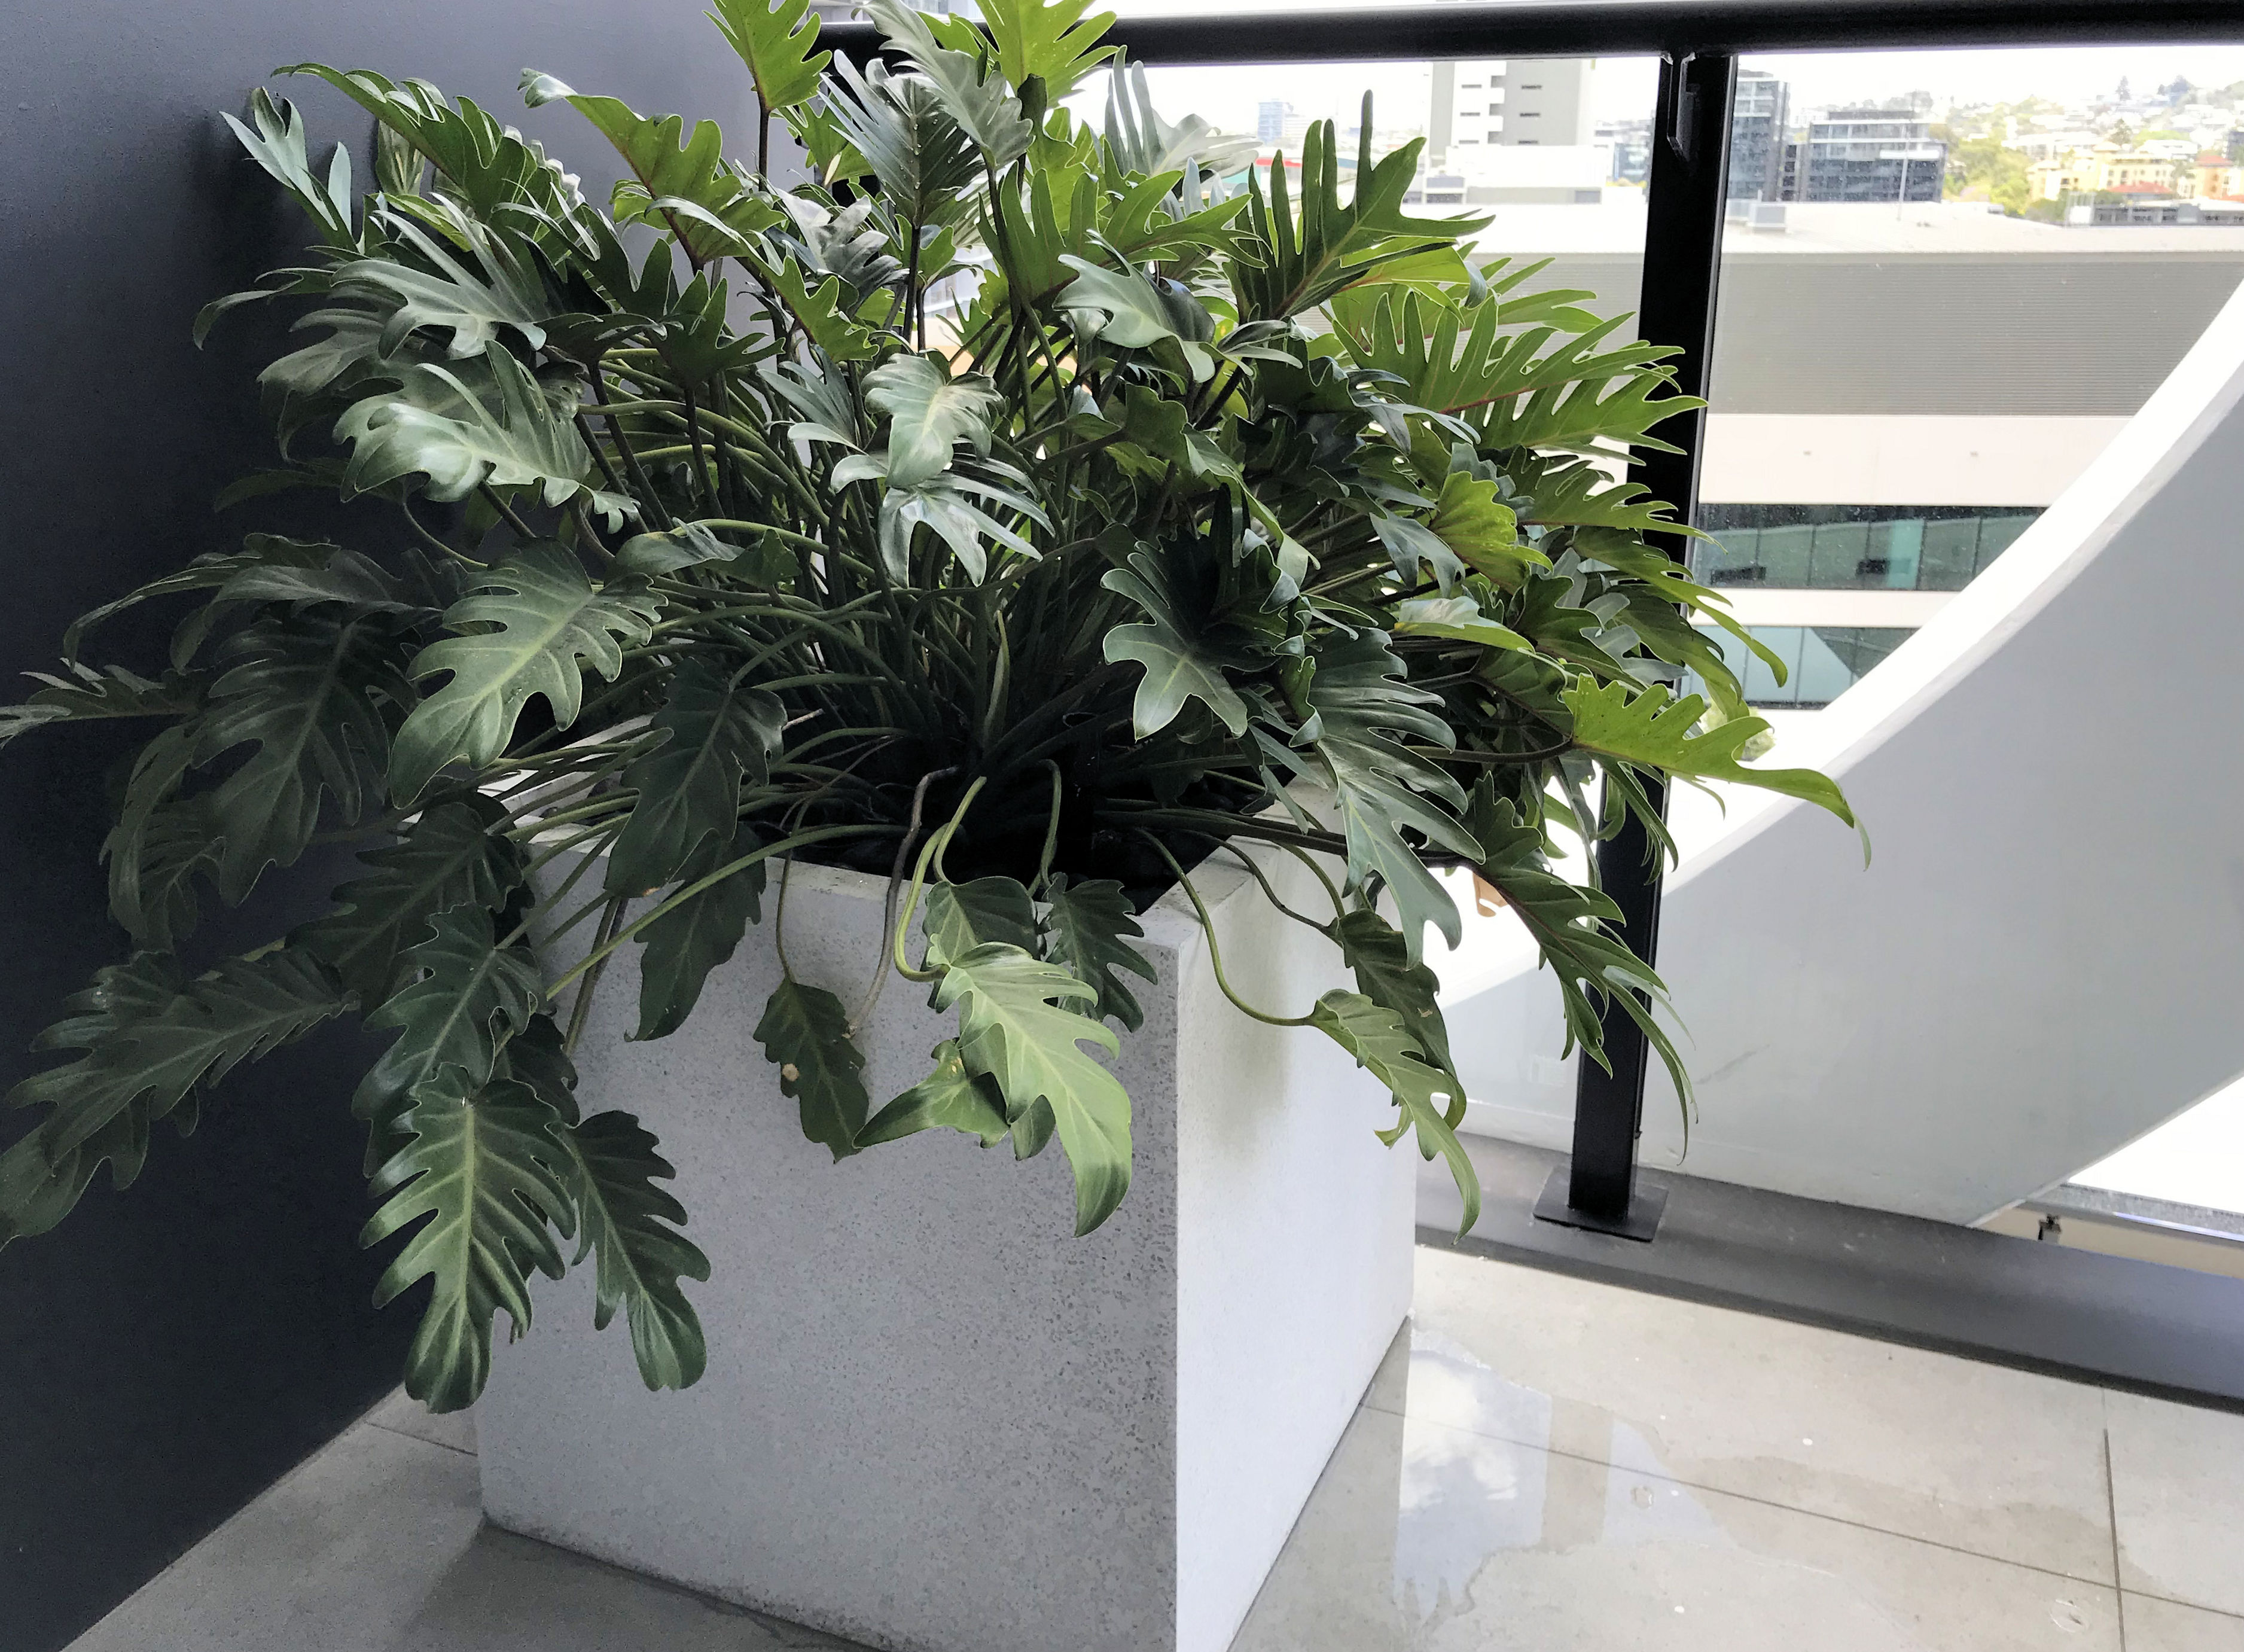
(934, 1420)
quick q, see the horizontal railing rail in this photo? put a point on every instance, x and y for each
(1250, 33)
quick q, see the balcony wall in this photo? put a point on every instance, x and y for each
(171, 1350)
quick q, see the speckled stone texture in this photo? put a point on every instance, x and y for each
(934, 1420)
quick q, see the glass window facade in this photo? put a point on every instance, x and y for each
(1820, 662)
(1853, 547)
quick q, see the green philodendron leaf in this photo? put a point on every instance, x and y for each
(1048, 40)
(1182, 661)
(359, 583)
(1381, 1043)
(683, 180)
(806, 1031)
(453, 855)
(154, 783)
(683, 944)
(1385, 974)
(209, 571)
(950, 1098)
(630, 1226)
(928, 167)
(1409, 542)
(1470, 518)
(1649, 728)
(824, 315)
(720, 731)
(483, 1172)
(1459, 617)
(1137, 314)
(1363, 708)
(472, 305)
(961, 916)
(531, 626)
(301, 692)
(687, 546)
(978, 101)
(180, 849)
(1016, 1026)
(775, 39)
(434, 425)
(152, 1040)
(1575, 930)
(462, 996)
(929, 413)
(87, 695)
(1087, 929)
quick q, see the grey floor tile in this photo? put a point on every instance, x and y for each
(402, 1414)
(335, 1558)
(2178, 1491)
(1423, 1538)
(1999, 1462)
(507, 1594)
(2163, 1626)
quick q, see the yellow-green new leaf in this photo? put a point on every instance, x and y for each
(775, 39)
(1650, 729)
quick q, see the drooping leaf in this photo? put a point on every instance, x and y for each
(1409, 542)
(446, 857)
(1376, 1036)
(950, 1098)
(482, 1171)
(1015, 1025)
(775, 40)
(151, 1040)
(806, 1031)
(531, 626)
(359, 583)
(462, 996)
(473, 305)
(1576, 929)
(720, 730)
(1385, 974)
(301, 692)
(1363, 708)
(87, 695)
(630, 1226)
(683, 944)
(1087, 929)
(207, 573)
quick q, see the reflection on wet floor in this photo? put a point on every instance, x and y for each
(1657, 1482)
(1466, 1494)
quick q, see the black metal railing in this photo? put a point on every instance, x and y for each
(1698, 42)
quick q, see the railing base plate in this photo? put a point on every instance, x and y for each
(1641, 1221)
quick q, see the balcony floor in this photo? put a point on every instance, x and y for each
(1543, 1464)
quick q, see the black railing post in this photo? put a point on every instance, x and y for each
(1684, 211)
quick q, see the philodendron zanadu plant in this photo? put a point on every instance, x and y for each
(1022, 510)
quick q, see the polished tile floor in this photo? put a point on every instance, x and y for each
(1542, 1465)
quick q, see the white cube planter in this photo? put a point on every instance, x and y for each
(934, 1420)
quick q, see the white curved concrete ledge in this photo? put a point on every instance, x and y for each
(2046, 958)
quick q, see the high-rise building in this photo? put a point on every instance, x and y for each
(1870, 155)
(1270, 118)
(1479, 103)
(1757, 135)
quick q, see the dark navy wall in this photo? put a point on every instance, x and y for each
(170, 1350)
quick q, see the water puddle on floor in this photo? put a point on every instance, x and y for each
(1493, 1476)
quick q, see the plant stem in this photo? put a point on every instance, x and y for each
(1214, 957)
